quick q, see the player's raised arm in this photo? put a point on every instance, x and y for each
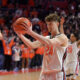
(61, 25)
(1, 36)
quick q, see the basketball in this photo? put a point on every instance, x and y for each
(21, 25)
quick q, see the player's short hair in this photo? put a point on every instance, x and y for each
(52, 17)
(76, 35)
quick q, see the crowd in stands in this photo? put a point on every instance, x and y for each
(14, 55)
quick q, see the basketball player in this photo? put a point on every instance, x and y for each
(71, 63)
(54, 48)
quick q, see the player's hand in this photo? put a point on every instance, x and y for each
(62, 21)
(1, 36)
(29, 30)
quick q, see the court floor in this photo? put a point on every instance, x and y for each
(23, 76)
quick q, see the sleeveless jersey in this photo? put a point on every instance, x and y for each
(53, 60)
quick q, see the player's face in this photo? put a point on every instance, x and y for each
(51, 26)
(72, 38)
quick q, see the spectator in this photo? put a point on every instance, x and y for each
(25, 57)
(16, 56)
(8, 52)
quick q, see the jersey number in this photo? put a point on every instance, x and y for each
(69, 49)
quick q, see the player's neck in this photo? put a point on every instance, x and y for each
(73, 41)
(53, 34)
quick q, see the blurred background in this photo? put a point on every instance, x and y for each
(14, 55)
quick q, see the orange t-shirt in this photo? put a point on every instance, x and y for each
(31, 53)
(25, 53)
(7, 47)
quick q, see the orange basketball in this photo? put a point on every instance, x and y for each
(21, 25)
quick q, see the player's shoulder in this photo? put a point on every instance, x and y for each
(75, 44)
(60, 35)
(63, 36)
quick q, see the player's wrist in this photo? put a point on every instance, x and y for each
(61, 25)
(29, 32)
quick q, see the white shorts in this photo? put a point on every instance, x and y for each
(59, 76)
(54, 76)
(72, 77)
(71, 68)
